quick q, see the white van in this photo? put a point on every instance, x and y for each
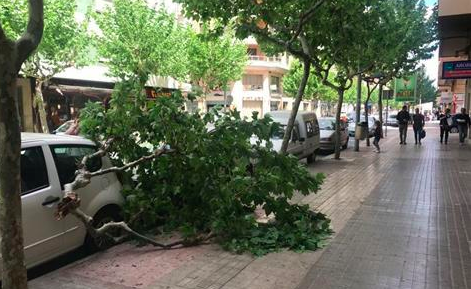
(305, 138)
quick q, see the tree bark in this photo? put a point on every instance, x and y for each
(294, 111)
(12, 56)
(366, 120)
(39, 103)
(358, 110)
(337, 124)
(380, 104)
(14, 271)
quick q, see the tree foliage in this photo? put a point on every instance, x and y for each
(426, 90)
(215, 60)
(64, 43)
(214, 179)
(138, 41)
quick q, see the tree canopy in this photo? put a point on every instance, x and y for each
(215, 60)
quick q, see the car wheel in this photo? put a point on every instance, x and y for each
(311, 158)
(345, 146)
(104, 215)
(454, 130)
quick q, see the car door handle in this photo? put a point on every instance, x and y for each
(50, 200)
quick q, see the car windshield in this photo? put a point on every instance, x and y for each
(64, 127)
(280, 132)
(327, 124)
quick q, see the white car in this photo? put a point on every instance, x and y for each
(47, 163)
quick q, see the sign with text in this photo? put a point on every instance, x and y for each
(456, 70)
(405, 88)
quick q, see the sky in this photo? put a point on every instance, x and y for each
(431, 65)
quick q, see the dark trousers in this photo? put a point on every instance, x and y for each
(444, 131)
(463, 129)
(403, 132)
(376, 143)
(417, 131)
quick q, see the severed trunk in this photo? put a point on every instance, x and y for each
(39, 105)
(294, 111)
(14, 271)
(337, 124)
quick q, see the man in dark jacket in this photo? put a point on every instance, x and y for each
(463, 124)
(403, 118)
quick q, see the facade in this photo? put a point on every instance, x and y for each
(261, 87)
(454, 25)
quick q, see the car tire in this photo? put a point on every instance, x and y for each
(311, 158)
(103, 216)
(345, 146)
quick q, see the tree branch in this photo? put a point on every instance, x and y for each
(31, 38)
(304, 18)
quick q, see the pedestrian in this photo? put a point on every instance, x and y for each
(56, 121)
(378, 134)
(418, 125)
(446, 121)
(403, 118)
(463, 124)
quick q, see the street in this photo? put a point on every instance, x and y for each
(401, 221)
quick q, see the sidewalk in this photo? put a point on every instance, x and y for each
(402, 220)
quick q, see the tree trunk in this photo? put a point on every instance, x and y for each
(337, 124)
(380, 104)
(14, 271)
(358, 111)
(367, 124)
(294, 111)
(39, 103)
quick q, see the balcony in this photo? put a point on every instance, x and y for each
(274, 62)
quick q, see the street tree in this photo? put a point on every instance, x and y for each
(137, 41)
(275, 24)
(215, 60)
(13, 53)
(426, 90)
(64, 44)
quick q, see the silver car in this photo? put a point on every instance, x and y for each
(47, 163)
(327, 129)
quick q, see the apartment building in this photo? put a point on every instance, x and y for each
(454, 27)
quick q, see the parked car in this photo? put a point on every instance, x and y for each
(48, 162)
(63, 127)
(371, 126)
(327, 128)
(391, 120)
(305, 138)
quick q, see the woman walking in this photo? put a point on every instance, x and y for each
(418, 125)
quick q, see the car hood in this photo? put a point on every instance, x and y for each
(324, 133)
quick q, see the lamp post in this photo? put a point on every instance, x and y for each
(374, 79)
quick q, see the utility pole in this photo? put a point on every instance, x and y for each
(357, 110)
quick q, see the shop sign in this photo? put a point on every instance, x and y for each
(152, 93)
(405, 88)
(456, 70)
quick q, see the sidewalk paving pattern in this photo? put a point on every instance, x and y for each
(402, 220)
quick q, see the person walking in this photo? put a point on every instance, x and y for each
(418, 125)
(446, 121)
(403, 118)
(463, 124)
(378, 134)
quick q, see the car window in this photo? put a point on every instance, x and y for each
(33, 170)
(67, 158)
(327, 124)
(312, 128)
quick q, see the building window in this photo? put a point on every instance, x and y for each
(275, 84)
(252, 82)
(274, 105)
(306, 106)
(251, 51)
(285, 105)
